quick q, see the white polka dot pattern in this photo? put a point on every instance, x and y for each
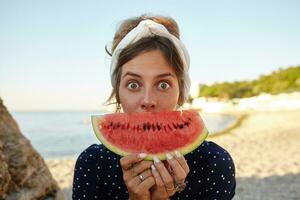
(98, 175)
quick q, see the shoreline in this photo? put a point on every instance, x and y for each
(240, 118)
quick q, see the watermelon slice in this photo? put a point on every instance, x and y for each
(154, 133)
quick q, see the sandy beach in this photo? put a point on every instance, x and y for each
(265, 150)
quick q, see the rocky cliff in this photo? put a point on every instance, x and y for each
(23, 172)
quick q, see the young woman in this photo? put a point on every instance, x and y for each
(149, 72)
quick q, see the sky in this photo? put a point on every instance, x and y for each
(52, 53)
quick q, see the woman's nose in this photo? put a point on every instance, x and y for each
(148, 103)
(148, 106)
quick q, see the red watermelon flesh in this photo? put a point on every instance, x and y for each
(154, 133)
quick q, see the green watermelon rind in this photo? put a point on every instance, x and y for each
(183, 150)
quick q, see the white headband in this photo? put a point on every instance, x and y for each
(148, 28)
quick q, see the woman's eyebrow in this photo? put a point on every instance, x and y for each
(132, 74)
(164, 75)
(139, 76)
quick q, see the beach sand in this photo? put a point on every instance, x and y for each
(62, 171)
(265, 149)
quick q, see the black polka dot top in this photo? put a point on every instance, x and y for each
(98, 175)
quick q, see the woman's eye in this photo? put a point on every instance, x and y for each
(132, 85)
(163, 85)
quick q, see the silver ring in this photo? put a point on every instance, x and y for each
(141, 178)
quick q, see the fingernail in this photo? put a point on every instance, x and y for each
(178, 154)
(142, 155)
(169, 156)
(153, 167)
(156, 160)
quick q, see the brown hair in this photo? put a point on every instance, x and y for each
(144, 45)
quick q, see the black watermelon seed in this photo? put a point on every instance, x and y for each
(148, 126)
(181, 126)
(175, 126)
(153, 127)
(144, 127)
(158, 126)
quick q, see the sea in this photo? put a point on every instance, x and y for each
(66, 134)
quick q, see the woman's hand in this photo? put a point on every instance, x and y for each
(168, 175)
(137, 176)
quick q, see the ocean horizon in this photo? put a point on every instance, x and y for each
(58, 134)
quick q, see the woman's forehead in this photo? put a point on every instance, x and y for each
(149, 63)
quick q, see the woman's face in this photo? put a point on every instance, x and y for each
(148, 83)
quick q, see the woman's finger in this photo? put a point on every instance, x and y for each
(160, 184)
(127, 161)
(139, 179)
(178, 171)
(146, 184)
(164, 173)
(180, 158)
(140, 167)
